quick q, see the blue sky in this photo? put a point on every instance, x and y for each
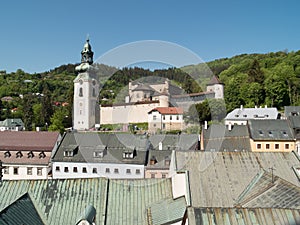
(37, 36)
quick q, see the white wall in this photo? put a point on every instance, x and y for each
(101, 170)
(22, 172)
(125, 114)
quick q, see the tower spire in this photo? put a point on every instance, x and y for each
(87, 53)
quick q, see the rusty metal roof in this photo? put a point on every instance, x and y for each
(217, 179)
(245, 216)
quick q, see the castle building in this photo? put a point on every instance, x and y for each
(86, 91)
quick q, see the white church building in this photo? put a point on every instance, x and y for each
(142, 97)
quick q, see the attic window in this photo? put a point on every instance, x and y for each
(68, 153)
(261, 132)
(270, 133)
(7, 154)
(98, 154)
(284, 133)
(129, 154)
(244, 115)
(30, 154)
(42, 155)
(255, 116)
(19, 154)
(294, 113)
(236, 115)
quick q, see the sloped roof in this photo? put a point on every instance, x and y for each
(270, 192)
(160, 156)
(252, 113)
(246, 216)
(143, 87)
(168, 110)
(270, 130)
(218, 178)
(28, 140)
(214, 80)
(21, 211)
(113, 146)
(291, 110)
(174, 142)
(219, 138)
(12, 122)
(58, 201)
(167, 211)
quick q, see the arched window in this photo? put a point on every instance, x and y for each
(94, 92)
(80, 92)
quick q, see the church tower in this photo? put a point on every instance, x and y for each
(86, 91)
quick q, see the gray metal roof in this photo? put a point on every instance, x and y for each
(245, 216)
(217, 179)
(252, 113)
(174, 142)
(291, 111)
(113, 146)
(218, 137)
(270, 130)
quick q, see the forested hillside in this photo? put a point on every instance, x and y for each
(45, 99)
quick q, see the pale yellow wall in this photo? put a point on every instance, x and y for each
(272, 146)
(158, 173)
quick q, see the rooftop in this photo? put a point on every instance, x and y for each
(252, 113)
(168, 110)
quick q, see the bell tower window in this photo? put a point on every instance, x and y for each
(80, 92)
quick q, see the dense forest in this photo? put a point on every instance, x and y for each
(45, 99)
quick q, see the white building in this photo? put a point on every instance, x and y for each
(25, 155)
(87, 155)
(240, 116)
(14, 124)
(165, 119)
(86, 91)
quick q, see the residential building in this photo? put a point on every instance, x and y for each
(26, 154)
(165, 119)
(12, 125)
(219, 137)
(271, 135)
(240, 116)
(292, 114)
(87, 155)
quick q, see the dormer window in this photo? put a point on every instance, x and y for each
(30, 154)
(7, 154)
(98, 154)
(19, 154)
(100, 151)
(153, 160)
(42, 155)
(261, 133)
(129, 154)
(270, 133)
(284, 133)
(70, 151)
(167, 161)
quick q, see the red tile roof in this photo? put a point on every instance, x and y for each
(28, 140)
(168, 110)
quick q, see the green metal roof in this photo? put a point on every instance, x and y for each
(22, 211)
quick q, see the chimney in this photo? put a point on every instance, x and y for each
(205, 125)
(160, 146)
(242, 107)
(266, 106)
(230, 127)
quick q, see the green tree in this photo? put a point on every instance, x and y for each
(46, 109)
(28, 114)
(57, 121)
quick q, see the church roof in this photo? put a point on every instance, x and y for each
(214, 80)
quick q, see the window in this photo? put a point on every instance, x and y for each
(94, 170)
(261, 133)
(116, 170)
(170, 117)
(163, 126)
(286, 146)
(107, 170)
(7, 154)
(270, 133)
(284, 133)
(80, 92)
(39, 171)
(276, 146)
(163, 175)
(154, 125)
(68, 153)
(128, 171)
(152, 175)
(258, 146)
(177, 117)
(66, 170)
(6, 170)
(30, 154)
(137, 171)
(267, 146)
(19, 154)
(164, 117)
(75, 170)
(98, 154)
(29, 170)
(42, 155)
(16, 170)
(154, 117)
(57, 168)
(84, 170)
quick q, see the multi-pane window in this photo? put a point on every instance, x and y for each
(267, 146)
(276, 146)
(138, 171)
(94, 170)
(29, 170)
(107, 170)
(75, 170)
(57, 168)
(84, 170)
(66, 169)
(128, 171)
(258, 146)
(116, 170)
(39, 171)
